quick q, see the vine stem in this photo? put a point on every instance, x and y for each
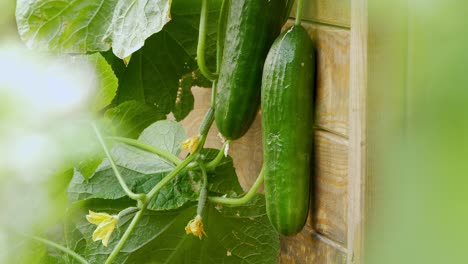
(288, 8)
(159, 152)
(61, 248)
(119, 177)
(204, 190)
(215, 162)
(126, 235)
(212, 164)
(143, 204)
(169, 177)
(201, 43)
(300, 4)
(244, 199)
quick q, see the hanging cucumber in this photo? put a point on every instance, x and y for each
(252, 26)
(287, 125)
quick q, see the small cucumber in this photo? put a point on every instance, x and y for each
(287, 125)
(252, 26)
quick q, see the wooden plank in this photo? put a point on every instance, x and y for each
(332, 76)
(332, 12)
(332, 96)
(308, 247)
(329, 211)
(357, 130)
(246, 152)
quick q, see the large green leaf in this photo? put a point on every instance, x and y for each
(240, 236)
(141, 171)
(80, 26)
(162, 73)
(129, 118)
(104, 81)
(107, 82)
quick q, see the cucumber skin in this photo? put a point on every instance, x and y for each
(252, 26)
(287, 128)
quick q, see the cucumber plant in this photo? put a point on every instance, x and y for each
(142, 200)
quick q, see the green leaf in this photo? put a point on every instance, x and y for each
(243, 236)
(129, 118)
(166, 135)
(161, 74)
(88, 165)
(141, 171)
(107, 82)
(83, 26)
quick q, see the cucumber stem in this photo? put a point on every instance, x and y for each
(68, 251)
(244, 199)
(119, 177)
(201, 43)
(126, 235)
(204, 190)
(300, 4)
(215, 162)
(289, 5)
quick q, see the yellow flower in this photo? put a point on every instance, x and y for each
(191, 144)
(105, 226)
(195, 227)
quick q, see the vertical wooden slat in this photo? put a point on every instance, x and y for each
(357, 130)
(330, 195)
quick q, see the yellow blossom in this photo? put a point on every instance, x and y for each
(105, 226)
(195, 227)
(191, 144)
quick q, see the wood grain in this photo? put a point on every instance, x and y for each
(333, 12)
(357, 134)
(308, 247)
(246, 151)
(332, 77)
(329, 213)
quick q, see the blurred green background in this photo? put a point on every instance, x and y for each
(7, 19)
(417, 131)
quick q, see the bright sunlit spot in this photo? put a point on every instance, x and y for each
(43, 87)
(40, 99)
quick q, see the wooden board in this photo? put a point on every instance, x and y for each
(333, 12)
(358, 127)
(332, 77)
(308, 247)
(329, 211)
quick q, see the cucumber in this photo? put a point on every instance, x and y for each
(287, 126)
(252, 26)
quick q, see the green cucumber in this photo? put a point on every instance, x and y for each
(252, 26)
(287, 125)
